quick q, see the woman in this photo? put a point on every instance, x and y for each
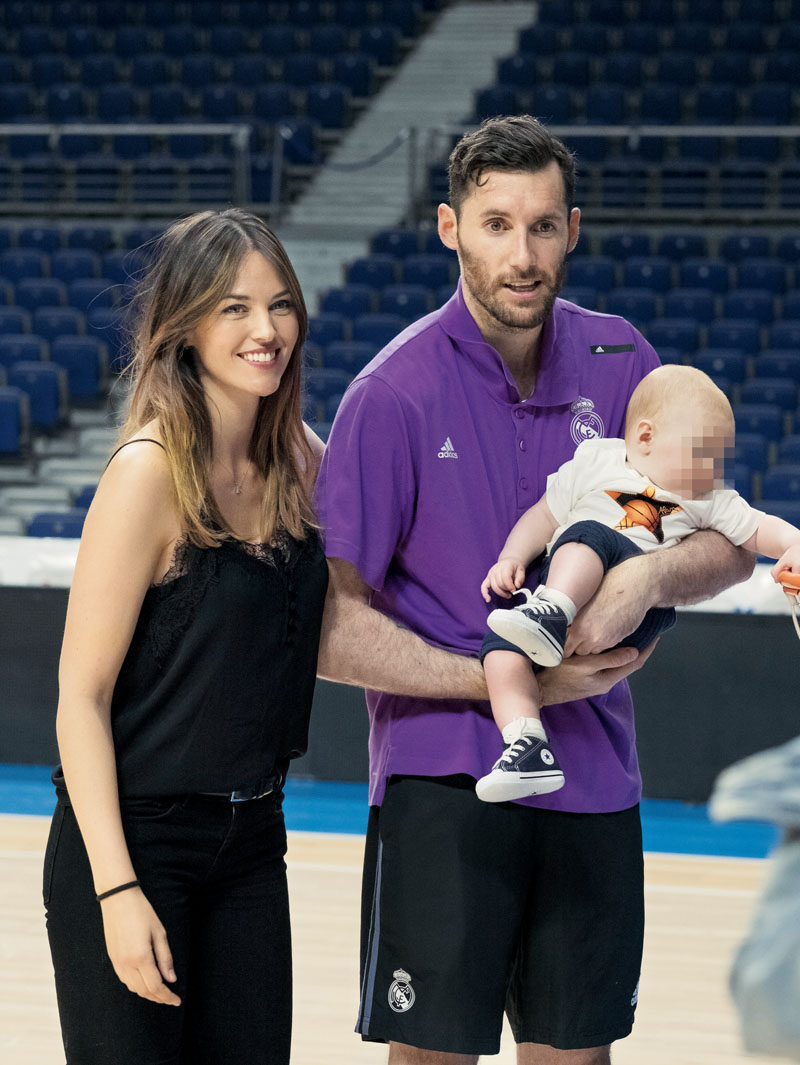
(187, 673)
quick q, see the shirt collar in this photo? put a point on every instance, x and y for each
(557, 382)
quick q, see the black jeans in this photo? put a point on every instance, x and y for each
(215, 874)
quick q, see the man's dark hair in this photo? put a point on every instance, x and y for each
(514, 142)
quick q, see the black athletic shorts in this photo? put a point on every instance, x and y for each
(472, 908)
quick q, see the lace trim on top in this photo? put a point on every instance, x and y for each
(266, 553)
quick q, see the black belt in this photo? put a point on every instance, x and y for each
(265, 786)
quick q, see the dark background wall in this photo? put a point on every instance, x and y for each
(719, 686)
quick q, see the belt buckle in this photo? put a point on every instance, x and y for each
(247, 794)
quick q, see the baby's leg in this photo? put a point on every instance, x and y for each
(576, 570)
(513, 687)
(527, 765)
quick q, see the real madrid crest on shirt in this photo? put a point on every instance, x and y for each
(585, 424)
(401, 993)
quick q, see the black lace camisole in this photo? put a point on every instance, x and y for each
(217, 683)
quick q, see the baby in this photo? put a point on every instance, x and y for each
(613, 499)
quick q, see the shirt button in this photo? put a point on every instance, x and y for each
(518, 413)
(523, 483)
(523, 445)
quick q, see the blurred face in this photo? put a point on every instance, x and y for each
(512, 237)
(245, 344)
(686, 453)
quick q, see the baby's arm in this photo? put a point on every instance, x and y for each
(776, 538)
(525, 542)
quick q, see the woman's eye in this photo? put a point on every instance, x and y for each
(282, 306)
(234, 308)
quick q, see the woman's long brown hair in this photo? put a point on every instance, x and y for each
(193, 267)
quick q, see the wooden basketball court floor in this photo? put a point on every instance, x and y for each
(697, 910)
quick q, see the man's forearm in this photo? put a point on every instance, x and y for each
(696, 569)
(363, 647)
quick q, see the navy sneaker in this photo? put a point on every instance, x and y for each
(526, 767)
(538, 627)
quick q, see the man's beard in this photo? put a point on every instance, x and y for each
(484, 290)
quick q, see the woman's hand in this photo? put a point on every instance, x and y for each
(137, 945)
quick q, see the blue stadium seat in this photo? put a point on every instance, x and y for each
(349, 355)
(554, 103)
(407, 301)
(327, 38)
(328, 104)
(432, 245)
(654, 271)
(397, 242)
(762, 418)
(302, 68)
(768, 274)
(66, 523)
(771, 102)
(589, 36)
(130, 41)
(33, 40)
(782, 481)
(678, 333)
(788, 449)
(299, 141)
(46, 385)
(88, 294)
(572, 68)
(539, 39)
(742, 185)
(738, 246)
(624, 68)
(52, 322)
(772, 362)
(680, 246)
(753, 450)
(272, 102)
(700, 149)
(382, 42)
(495, 100)
(198, 70)
(700, 272)
(431, 271)
(41, 238)
(716, 104)
(33, 292)
(326, 328)
(230, 40)
(730, 68)
(692, 34)
(641, 37)
(721, 362)
(595, 271)
(16, 102)
(47, 69)
(16, 265)
(81, 41)
(106, 325)
(749, 303)
(743, 34)
(738, 333)
(14, 417)
(669, 356)
(517, 71)
(98, 69)
(14, 320)
(148, 69)
(583, 296)
(758, 149)
(374, 270)
(115, 103)
(697, 303)
(66, 103)
(660, 103)
(638, 305)
(356, 71)
(20, 347)
(166, 102)
(323, 382)
(677, 67)
(96, 238)
(349, 300)
(605, 104)
(791, 306)
(779, 391)
(624, 243)
(219, 103)
(276, 39)
(378, 329)
(84, 361)
(179, 39)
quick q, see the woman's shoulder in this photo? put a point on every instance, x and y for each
(139, 469)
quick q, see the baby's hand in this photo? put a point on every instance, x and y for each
(790, 559)
(504, 578)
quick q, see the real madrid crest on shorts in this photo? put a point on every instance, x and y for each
(586, 424)
(401, 993)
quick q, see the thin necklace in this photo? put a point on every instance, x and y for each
(237, 487)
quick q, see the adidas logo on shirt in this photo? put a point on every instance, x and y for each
(448, 451)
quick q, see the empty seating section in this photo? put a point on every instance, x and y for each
(257, 64)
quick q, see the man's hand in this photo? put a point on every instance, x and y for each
(585, 676)
(614, 612)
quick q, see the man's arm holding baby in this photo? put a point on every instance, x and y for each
(692, 571)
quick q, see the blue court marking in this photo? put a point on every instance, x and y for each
(334, 806)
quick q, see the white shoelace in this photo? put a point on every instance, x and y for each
(517, 747)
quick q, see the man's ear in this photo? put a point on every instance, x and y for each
(448, 226)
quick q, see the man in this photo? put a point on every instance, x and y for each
(439, 445)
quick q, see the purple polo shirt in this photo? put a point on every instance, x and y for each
(431, 460)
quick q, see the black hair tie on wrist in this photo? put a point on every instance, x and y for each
(116, 890)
